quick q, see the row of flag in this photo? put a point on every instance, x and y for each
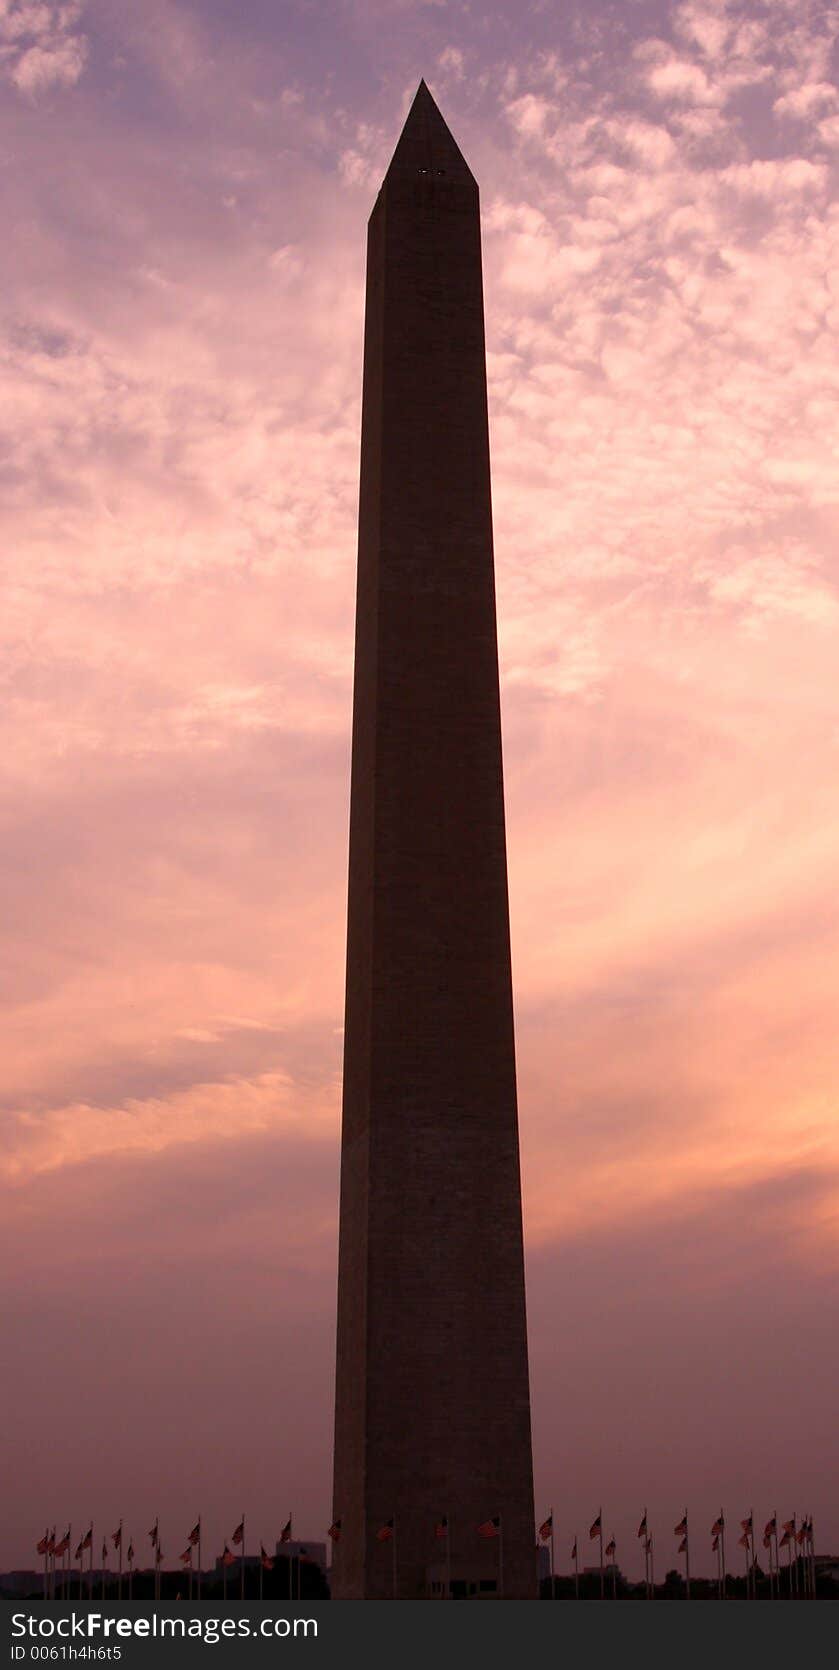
(387, 1531)
(52, 1548)
(794, 1535)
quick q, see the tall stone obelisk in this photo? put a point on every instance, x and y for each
(432, 1422)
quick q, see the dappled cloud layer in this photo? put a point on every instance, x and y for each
(181, 323)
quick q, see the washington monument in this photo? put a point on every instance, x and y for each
(433, 1489)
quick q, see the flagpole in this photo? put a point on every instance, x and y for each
(553, 1561)
(687, 1558)
(777, 1558)
(67, 1564)
(600, 1539)
(576, 1572)
(131, 1574)
(290, 1536)
(754, 1554)
(90, 1564)
(119, 1578)
(722, 1547)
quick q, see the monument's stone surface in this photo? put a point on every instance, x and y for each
(432, 1404)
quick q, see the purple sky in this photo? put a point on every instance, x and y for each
(182, 309)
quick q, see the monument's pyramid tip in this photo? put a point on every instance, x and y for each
(426, 145)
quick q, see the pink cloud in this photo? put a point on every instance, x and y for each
(180, 406)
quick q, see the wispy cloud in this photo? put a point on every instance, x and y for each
(181, 332)
(41, 45)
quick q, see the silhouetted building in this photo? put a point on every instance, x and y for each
(432, 1408)
(314, 1552)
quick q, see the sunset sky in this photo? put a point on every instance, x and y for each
(186, 190)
